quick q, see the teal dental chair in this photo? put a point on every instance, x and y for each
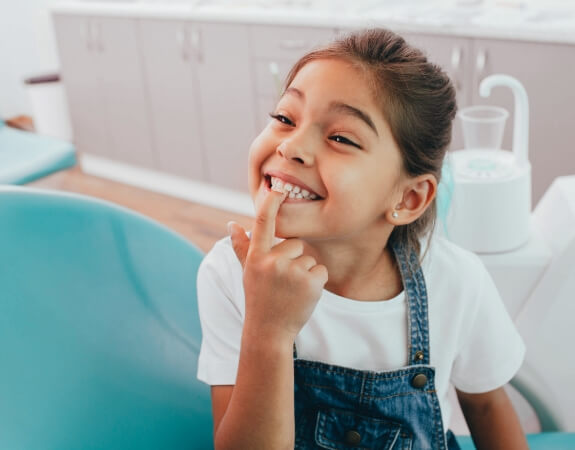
(99, 332)
(25, 156)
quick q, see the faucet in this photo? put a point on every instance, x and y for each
(521, 107)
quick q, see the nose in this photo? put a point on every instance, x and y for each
(295, 151)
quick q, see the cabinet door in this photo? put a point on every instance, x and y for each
(79, 60)
(547, 72)
(171, 81)
(226, 101)
(123, 91)
(454, 56)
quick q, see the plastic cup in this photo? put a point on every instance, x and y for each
(483, 126)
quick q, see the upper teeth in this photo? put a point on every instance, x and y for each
(293, 191)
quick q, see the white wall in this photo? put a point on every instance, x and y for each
(27, 48)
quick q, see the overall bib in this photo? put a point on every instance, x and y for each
(343, 408)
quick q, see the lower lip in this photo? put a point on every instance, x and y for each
(296, 200)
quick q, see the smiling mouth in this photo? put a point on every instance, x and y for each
(292, 190)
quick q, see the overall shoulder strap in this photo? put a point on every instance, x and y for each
(416, 298)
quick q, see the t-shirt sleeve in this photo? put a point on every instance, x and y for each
(491, 350)
(221, 310)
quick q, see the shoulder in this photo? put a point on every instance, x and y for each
(221, 271)
(457, 281)
(221, 258)
(445, 259)
(461, 289)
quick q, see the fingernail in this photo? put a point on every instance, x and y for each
(230, 226)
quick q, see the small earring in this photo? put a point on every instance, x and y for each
(395, 214)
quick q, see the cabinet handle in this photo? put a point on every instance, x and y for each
(196, 41)
(456, 56)
(481, 61)
(99, 38)
(275, 73)
(183, 41)
(480, 67)
(89, 35)
(293, 44)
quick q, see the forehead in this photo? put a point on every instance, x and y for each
(336, 79)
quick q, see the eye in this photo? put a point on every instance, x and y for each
(281, 118)
(343, 140)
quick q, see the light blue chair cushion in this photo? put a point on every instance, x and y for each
(25, 156)
(539, 441)
(99, 331)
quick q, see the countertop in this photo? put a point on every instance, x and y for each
(515, 20)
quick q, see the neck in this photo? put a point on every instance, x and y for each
(363, 269)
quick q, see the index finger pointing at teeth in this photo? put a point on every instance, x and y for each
(264, 229)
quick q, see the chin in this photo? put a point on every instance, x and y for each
(286, 232)
(283, 234)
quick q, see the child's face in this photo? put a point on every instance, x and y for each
(328, 137)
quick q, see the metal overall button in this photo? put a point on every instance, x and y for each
(419, 380)
(418, 356)
(352, 438)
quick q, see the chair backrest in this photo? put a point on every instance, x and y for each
(99, 331)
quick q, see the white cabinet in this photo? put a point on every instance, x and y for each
(173, 95)
(200, 98)
(80, 65)
(226, 98)
(102, 72)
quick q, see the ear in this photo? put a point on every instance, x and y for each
(418, 193)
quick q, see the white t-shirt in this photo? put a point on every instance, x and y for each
(473, 342)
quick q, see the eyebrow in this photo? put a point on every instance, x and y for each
(341, 108)
(355, 112)
(295, 91)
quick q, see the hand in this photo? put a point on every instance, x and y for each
(282, 285)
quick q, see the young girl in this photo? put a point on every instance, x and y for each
(338, 323)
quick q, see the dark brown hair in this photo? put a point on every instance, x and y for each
(417, 99)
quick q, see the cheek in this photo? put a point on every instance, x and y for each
(363, 191)
(348, 183)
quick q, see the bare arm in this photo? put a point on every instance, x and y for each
(492, 420)
(282, 286)
(258, 412)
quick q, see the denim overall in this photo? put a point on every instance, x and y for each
(343, 408)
